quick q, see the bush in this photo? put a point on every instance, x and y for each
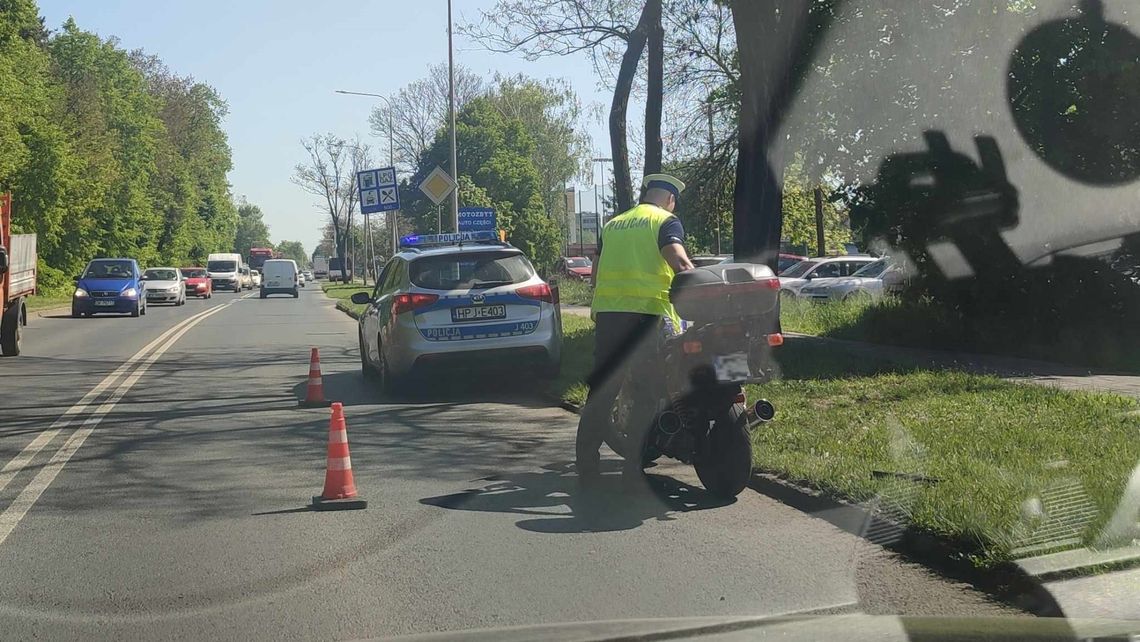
(51, 282)
(575, 292)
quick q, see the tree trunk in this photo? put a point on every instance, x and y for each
(773, 59)
(655, 97)
(623, 186)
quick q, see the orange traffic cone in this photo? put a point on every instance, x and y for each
(340, 488)
(315, 395)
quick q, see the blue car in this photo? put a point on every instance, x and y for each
(111, 286)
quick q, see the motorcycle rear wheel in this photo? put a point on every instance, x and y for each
(726, 468)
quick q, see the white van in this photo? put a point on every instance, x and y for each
(225, 271)
(279, 276)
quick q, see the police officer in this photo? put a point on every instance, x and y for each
(639, 252)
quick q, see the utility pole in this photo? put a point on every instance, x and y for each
(451, 117)
(392, 216)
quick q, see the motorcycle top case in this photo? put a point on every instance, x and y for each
(725, 292)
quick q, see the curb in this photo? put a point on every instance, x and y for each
(1010, 582)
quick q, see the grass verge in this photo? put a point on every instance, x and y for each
(994, 446)
(342, 293)
(36, 303)
(575, 292)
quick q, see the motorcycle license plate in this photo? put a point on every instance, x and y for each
(732, 367)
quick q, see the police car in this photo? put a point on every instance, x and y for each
(458, 301)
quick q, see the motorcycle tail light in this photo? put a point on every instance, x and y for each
(775, 339)
(692, 347)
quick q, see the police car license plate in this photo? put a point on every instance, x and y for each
(478, 313)
(732, 367)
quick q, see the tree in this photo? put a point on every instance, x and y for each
(251, 229)
(293, 250)
(418, 110)
(330, 174)
(550, 111)
(603, 29)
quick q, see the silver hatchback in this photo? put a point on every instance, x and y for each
(476, 305)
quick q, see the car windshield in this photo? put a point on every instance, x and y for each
(872, 270)
(469, 270)
(161, 275)
(799, 269)
(472, 383)
(109, 270)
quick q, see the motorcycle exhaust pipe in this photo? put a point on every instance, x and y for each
(669, 422)
(763, 411)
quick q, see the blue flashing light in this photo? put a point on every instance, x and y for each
(423, 240)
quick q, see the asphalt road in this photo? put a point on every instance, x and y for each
(170, 502)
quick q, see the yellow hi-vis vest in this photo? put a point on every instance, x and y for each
(632, 276)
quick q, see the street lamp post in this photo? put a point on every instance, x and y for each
(391, 158)
(602, 200)
(451, 117)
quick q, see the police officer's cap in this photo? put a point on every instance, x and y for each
(665, 182)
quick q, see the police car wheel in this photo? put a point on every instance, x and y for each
(366, 368)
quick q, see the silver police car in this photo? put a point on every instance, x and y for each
(447, 301)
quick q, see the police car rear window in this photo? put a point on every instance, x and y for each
(475, 270)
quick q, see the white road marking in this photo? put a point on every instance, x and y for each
(20, 461)
(27, 498)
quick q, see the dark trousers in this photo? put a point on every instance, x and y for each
(622, 341)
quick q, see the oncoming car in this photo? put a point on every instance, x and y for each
(442, 303)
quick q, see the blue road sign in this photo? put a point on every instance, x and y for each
(378, 190)
(476, 219)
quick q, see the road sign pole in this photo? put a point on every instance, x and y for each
(438, 219)
(368, 247)
(451, 113)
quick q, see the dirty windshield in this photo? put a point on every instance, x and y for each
(538, 365)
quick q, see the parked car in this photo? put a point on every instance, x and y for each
(279, 277)
(165, 285)
(799, 275)
(476, 305)
(577, 267)
(786, 261)
(871, 282)
(255, 276)
(198, 282)
(109, 286)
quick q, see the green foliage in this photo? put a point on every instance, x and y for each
(293, 250)
(107, 153)
(251, 230)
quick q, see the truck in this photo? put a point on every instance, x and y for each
(17, 279)
(337, 269)
(321, 267)
(259, 255)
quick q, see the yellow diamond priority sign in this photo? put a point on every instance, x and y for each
(438, 185)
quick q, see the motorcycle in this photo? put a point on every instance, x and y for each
(694, 387)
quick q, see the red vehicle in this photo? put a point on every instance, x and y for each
(17, 279)
(198, 282)
(259, 255)
(578, 267)
(788, 260)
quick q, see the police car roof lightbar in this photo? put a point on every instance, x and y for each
(426, 240)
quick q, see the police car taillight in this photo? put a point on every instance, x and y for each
(541, 292)
(409, 302)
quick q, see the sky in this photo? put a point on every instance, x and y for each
(278, 63)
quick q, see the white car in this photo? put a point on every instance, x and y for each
(165, 285)
(871, 282)
(256, 277)
(301, 279)
(795, 278)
